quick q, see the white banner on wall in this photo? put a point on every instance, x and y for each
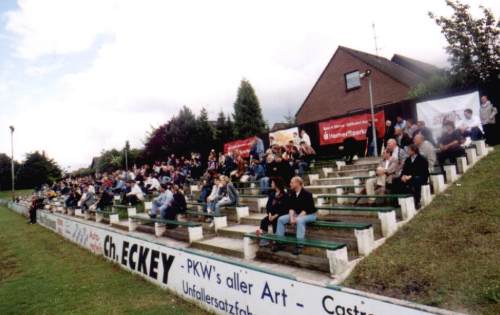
(434, 112)
(221, 286)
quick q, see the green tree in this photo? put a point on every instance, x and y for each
(5, 171)
(205, 134)
(110, 160)
(473, 44)
(436, 84)
(223, 130)
(37, 169)
(248, 120)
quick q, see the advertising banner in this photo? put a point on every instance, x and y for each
(243, 146)
(216, 284)
(282, 137)
(434, 112)
(335, 131)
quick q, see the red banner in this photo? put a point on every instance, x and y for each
(243, 146)
(337, 130)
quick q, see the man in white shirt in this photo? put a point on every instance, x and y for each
(471, 126)
(152, 184)
(427, 150)
(134, 194)
(305, 137)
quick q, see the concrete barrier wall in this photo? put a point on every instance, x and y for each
(217, 284)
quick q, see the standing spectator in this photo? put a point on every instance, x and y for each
(257, 149)
(305, 137)
(450, 144)
(389, 131)
(487, 115)
(411, 128)
(400, 123)
(301, 211)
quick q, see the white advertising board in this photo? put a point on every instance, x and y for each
(434, 112)
(217, 285)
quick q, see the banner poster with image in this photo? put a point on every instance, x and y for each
(282, 137)
(435, 112)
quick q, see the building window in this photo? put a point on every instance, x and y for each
(352, 80)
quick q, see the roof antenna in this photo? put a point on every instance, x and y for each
(375, 39)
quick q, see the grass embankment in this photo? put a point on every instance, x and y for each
(42, 273)
(449, 254)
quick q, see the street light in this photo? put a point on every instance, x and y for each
(127, 146)
(367, 74)
(12, 161)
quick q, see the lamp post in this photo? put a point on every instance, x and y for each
(12, 162)
(367, 74)
(127, 145)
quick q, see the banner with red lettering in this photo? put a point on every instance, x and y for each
(243, 146)
(335, 131)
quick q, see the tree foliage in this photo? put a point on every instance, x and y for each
(436, 84)
(223, 130)
(473, 44)
(248, 120)
(37, 169)
(5, 171)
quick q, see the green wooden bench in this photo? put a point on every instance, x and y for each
(300, 242)
(112, 216)
(340, 225)
(234, 213)
(391, 196)
(336, 253)
(356, 208)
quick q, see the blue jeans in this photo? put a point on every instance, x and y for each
(222, 203)
(264, 185)
(301, 224)
(158, 207)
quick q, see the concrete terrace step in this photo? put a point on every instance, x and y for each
(221, 245)
(237, 231)
(253, 219)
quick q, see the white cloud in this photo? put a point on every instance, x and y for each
(151, 57)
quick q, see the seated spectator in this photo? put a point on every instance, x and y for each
(256, 171)
(152, 184)
(134, 194)
(276, 206)
(386, 171)
(415, 173)
(426, 149)
(276, 167)
(450, 144)
(207, 184)
(213, 197)
(87, 199)
(307, 155)
(301, 210)
(426, 132)
(161, 202)
(227, 195)
(402, 138)
(396, 152)
(471, 126)
(176, 206)
(105, 200)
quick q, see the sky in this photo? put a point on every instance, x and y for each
(80, 76)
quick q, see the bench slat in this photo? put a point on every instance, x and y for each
(303, 242)
(340, 225)
(354, 208)
(365, 196)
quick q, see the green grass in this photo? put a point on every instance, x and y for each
(449, 255)
(41, 273)
(6, 194)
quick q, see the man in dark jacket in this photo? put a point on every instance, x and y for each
(415, 173)
(301, 211)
